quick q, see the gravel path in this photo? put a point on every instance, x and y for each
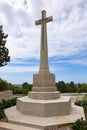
(74, 96)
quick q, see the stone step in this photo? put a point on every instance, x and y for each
(44, 108)
(9, 126)
(44, 123)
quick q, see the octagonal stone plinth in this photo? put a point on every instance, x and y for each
(44, 123)
(44, 108)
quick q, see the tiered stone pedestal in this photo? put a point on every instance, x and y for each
(44, 101)
(44, 95)
(44, 108)
(44, 123)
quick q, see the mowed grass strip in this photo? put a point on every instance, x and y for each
(85, 98)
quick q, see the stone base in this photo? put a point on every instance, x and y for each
(44, 123)
(9, 126)
(44, 108)
(44, 95)
(44, 82)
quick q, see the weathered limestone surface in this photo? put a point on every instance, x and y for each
(44, 123)
(44, 95)
(44, 87)
(9, 126)
(44, 82)
(44, 67)
(5, 95)
(44, 108)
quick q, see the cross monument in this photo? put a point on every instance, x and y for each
(44, 81)
(44, 49)
(44, 107)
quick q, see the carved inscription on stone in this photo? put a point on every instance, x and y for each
(42, 84)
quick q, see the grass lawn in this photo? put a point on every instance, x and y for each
(85, 98)
(85, 105)
(19, 95)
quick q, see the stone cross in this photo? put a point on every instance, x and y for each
(43, 47)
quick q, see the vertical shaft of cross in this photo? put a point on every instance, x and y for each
(43, 45)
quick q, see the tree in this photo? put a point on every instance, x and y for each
(25, 85)
(72, 86)
(26, 88)
(4, 58)
(3, 85)
(61, 86)
(83, 87)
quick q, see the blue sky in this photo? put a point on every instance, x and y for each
(67, 39)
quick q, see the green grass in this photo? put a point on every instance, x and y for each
(85, 98)
(85, 105)
(19, 95)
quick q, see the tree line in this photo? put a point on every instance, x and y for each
(71, 87)
(26, 87)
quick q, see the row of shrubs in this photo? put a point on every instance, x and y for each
(6, 104)
(80, 124)
(82, 103)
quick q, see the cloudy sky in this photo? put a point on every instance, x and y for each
(67, 39)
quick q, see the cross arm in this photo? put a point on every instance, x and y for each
(38, 22)
(49, 19)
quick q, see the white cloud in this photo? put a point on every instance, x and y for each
(67, 34)
(75, 61)
(16, 69)
(80, 61)
(22, 69)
